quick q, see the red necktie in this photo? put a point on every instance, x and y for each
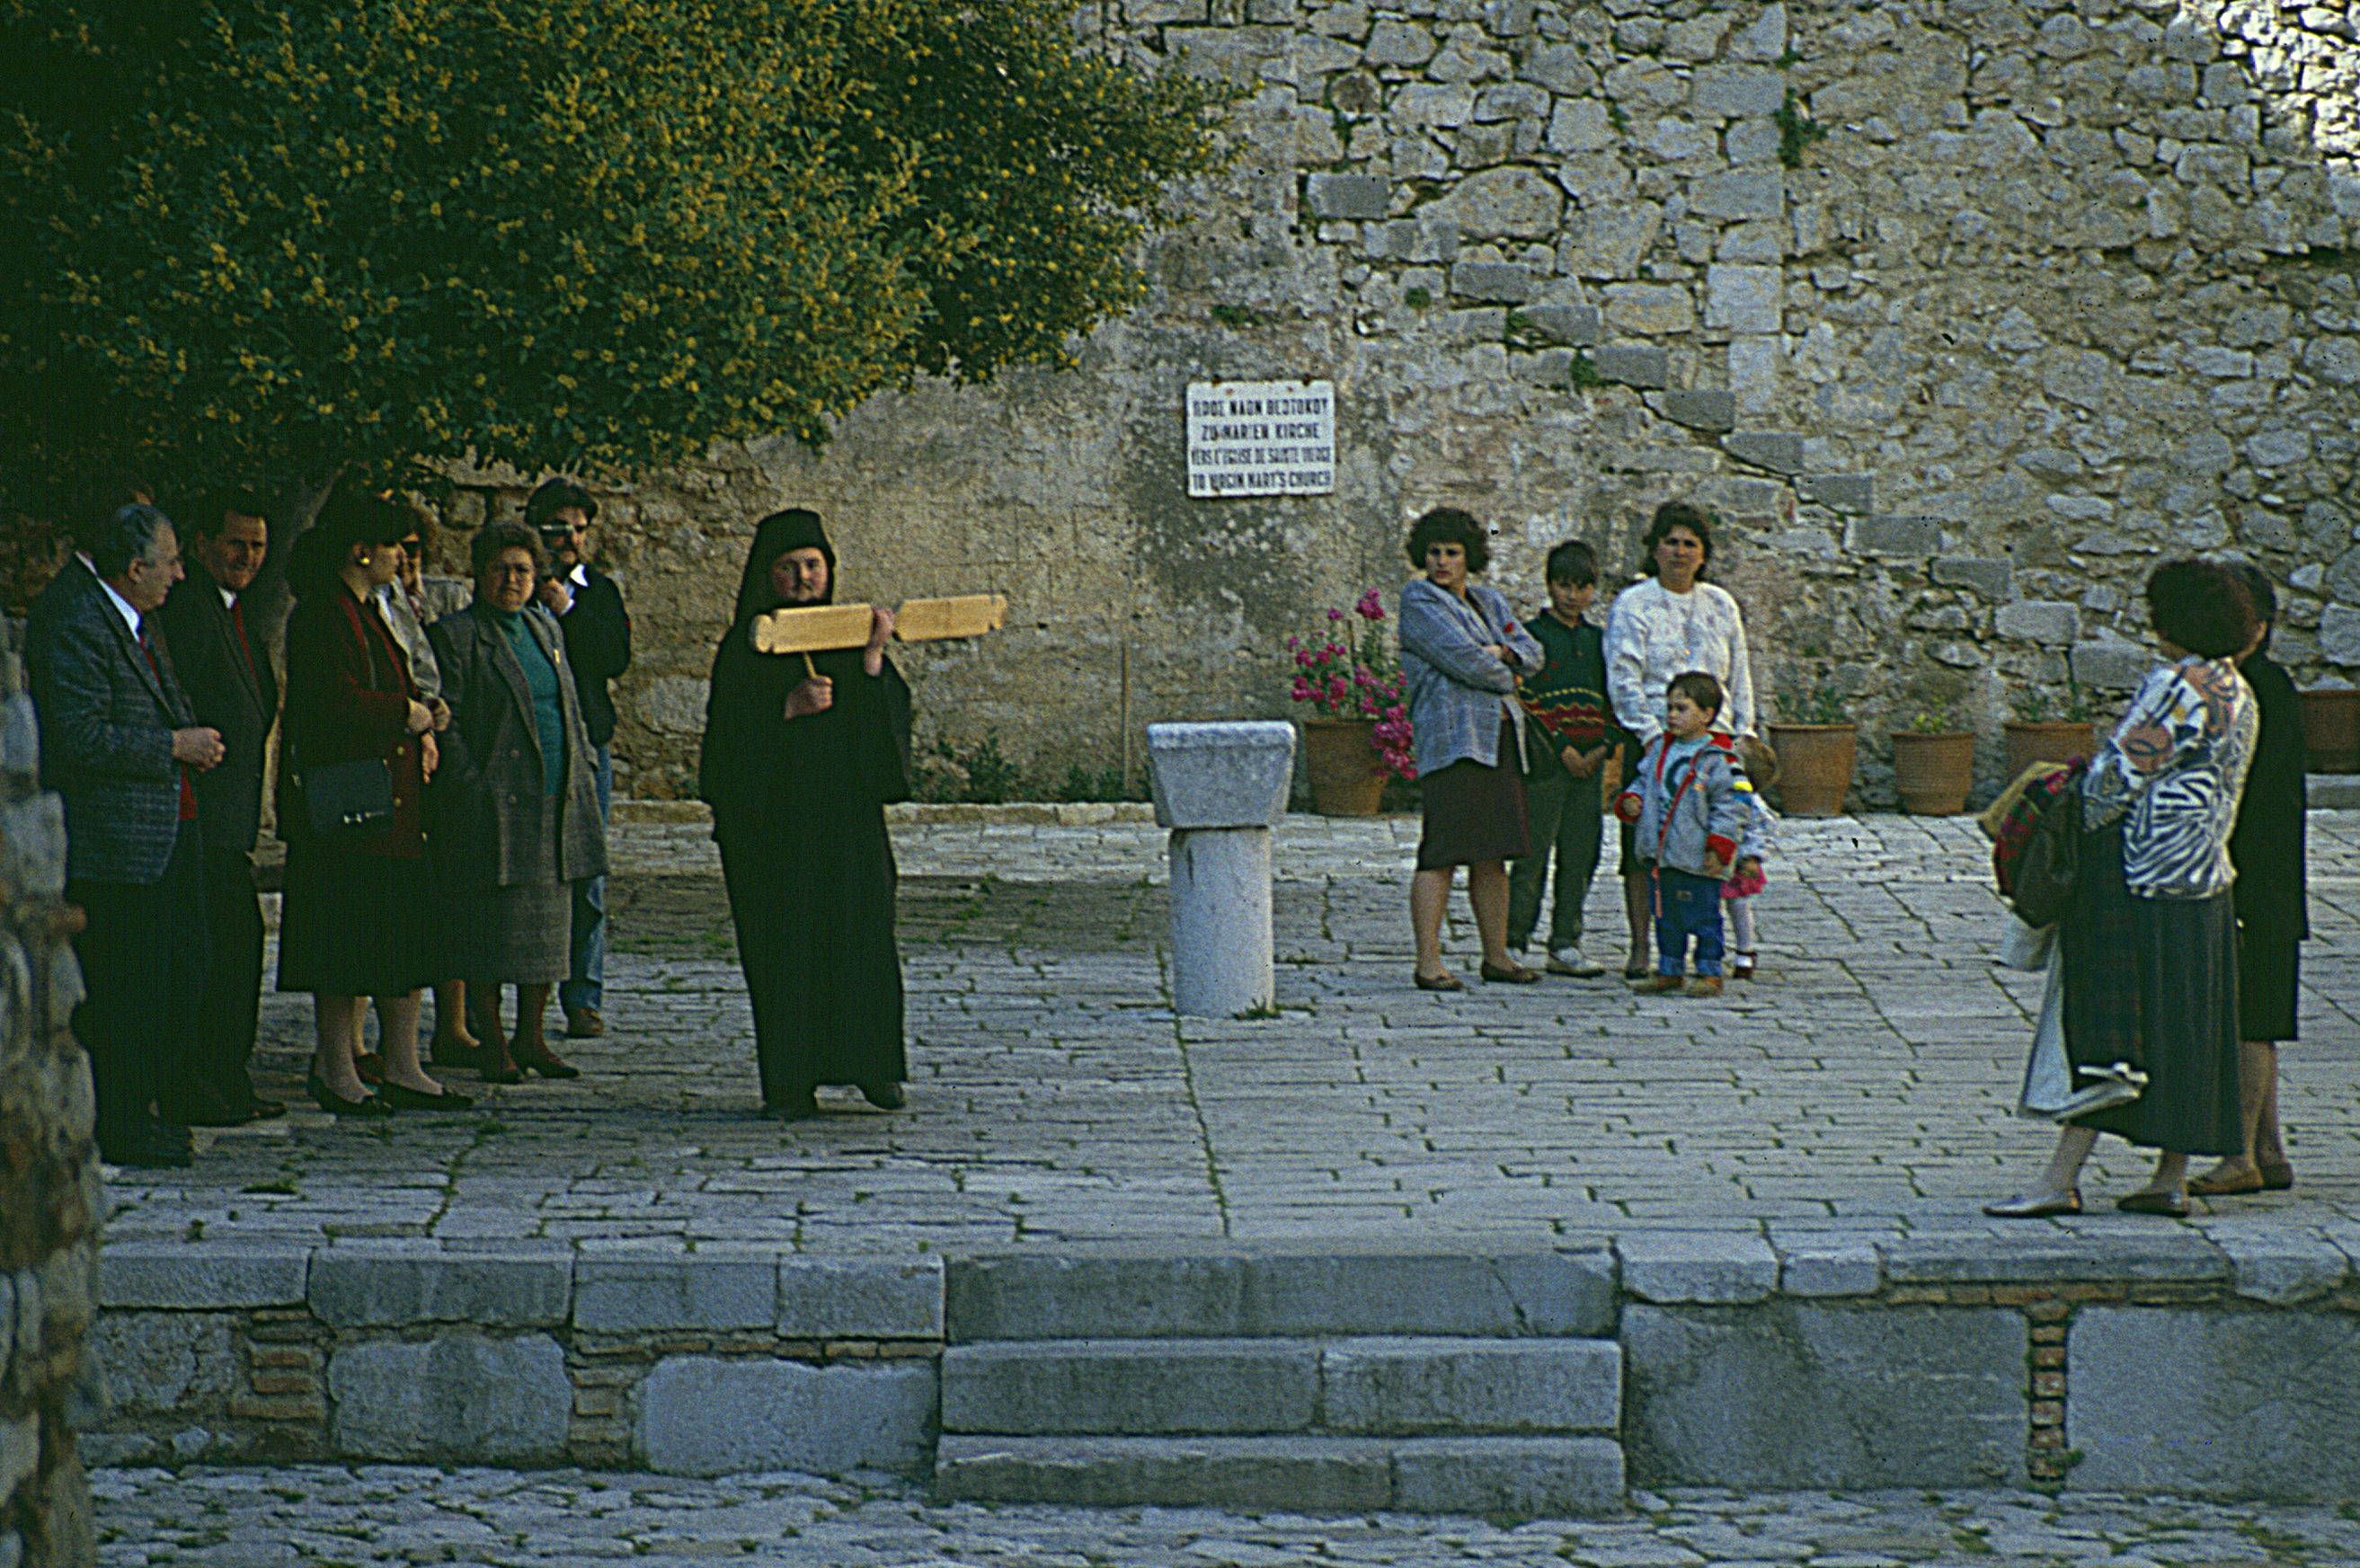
(188, 790)
(237, 625)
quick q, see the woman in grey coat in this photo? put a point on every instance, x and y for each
(1460, 650)
(516, 819)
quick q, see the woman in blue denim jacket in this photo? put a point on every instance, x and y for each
(1460, 650)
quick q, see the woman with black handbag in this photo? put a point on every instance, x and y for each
(355, 751)
(2150, 940)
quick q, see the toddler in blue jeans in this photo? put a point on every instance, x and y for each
(1688, 803)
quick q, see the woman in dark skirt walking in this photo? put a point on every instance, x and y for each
(1460, 650)
(802, 756)
(2150, 946)
(2273, 909)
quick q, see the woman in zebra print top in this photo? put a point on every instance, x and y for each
(2150, 946)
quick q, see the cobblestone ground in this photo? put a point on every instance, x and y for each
(1863, 1084)
(383, 1515)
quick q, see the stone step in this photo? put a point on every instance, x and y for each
(1379, 1386)
(1511, 1476)
(1277, 1292)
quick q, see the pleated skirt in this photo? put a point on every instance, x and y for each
(2153, 982)
(354, 925)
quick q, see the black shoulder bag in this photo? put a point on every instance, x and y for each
(2052, 861)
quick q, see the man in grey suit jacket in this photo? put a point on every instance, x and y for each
(228, 675)
(121, 746)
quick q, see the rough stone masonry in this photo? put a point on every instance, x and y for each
(1959, 313)
(50, 1201)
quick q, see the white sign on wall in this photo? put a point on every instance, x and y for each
(1262, 438)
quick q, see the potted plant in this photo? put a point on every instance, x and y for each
(1815, 754)
(2331, 728)
(1933, 764)
(2043, 730)
(1357, 736)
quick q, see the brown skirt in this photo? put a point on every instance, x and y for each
(1475, 813)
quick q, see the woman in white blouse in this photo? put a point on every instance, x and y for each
(1667, 623)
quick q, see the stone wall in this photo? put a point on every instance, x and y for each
(1959, 313)
(50, 1201)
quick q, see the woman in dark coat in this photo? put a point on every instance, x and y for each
(516, 811)
(355, 915)
(2273, 908)
(802, 755)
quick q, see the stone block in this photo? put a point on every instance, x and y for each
(1743, 299)
(1778, 451)
(1842, 492)
(1514, 1477)
(1399, 43)
(1360, 198)
(2153, 1254)
(1832, 1269)
(1993, 579)
(1510, 202)
(201, 1277)
(1733, 92)
(1577, 325)
(1232, 775)
(1657, 308)
(1698, 1266)
(1798, 1395)
(1632, 365)
(2241, 1404)
(2280, 1265)
(1893, 536)
(2111, 666)
(1140, 1387)
(461, 1398)
(861, 1298)
(702, 1416)
(1405, 1386)
(1298, 1474)
(1077, 1295)
(2051, 621)
(1698, 408)
(1740, 194)
(160, 1362)
(351, 1286)
(1498, 282)
(632, 1293)
(2339, 634)
(1428, 1293)
(20, 1451)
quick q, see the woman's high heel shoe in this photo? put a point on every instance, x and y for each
(402, 1097)
(546, 1062)
(498, 1066)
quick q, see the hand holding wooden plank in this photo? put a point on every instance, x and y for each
(825, 626)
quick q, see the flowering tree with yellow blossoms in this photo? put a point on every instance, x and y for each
(242, 239)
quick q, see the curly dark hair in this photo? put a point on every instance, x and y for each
(1675, 515)
(2259, 589)
(1448, 525)
(493, 538)
(552, 496)
(2200, 606)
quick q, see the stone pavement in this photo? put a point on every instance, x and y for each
(1861, 1087)
(383, 1515)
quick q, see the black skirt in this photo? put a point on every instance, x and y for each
(2269, 975)
(1473, 813)
(2153, 982)
(354, 925)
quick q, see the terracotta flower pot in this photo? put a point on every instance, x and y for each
(1814, 766)
(2048, 740)
(1348, 776)
(2330, 729)
(1932, 773)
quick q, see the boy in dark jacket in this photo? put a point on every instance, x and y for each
(1569, 740)
(1690, 809)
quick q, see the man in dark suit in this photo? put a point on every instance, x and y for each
(121, 746)
(589, 610)
(231, 687)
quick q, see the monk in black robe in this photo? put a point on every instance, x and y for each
(800, 759)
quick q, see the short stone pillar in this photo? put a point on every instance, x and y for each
(1220, 788)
